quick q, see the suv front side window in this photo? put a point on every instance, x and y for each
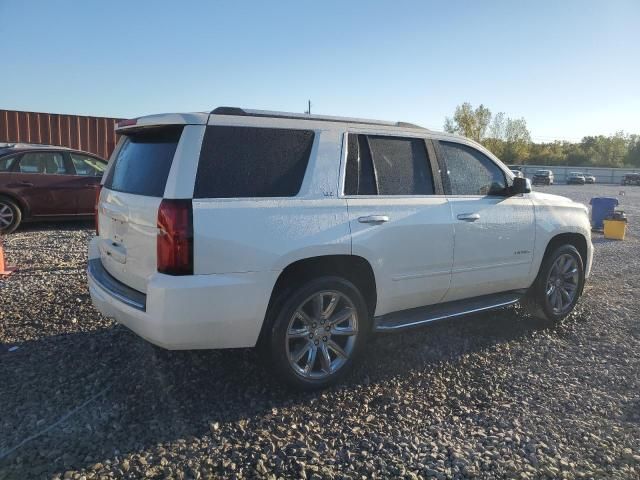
(49, 163)
(471, 172)
(386, 165)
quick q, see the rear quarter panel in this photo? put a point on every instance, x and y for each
(267, 234)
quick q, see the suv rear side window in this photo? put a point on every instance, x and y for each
(471, 172)
(385, 165)
(143, 162)
(237, 162)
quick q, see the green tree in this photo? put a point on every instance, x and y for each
(469, 122)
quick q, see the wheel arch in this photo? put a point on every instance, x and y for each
(569, 238)
(24, 207)
(354, 268)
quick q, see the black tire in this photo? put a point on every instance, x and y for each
(276, 344)
(12, 213)
(537, 300)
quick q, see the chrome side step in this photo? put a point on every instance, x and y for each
(422, 315)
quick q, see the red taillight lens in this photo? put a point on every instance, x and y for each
(95, 208)
(175, 237)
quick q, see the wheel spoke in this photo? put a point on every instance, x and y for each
(333, 303)
(558, 300)
(341, 316)
(337, 348)
(325, 358)
(318, 305)
(565, 295)
(298, 332)
(311, 359)
(346, 331)
(570, 273)
(550, 288)
(302, 315)
(568, 264)
(297, 356)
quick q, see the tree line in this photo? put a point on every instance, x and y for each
(510, 140)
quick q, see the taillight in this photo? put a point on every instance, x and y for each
(95, 209)
(175, 237)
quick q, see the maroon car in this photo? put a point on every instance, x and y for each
(39, 182)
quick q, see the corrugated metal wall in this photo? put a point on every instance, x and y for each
(91, 134)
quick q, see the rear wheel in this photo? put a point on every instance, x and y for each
(317, 333)
(10, 215)
(558, 286)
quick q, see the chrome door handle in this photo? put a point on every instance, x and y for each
(373, 219)
(469, 217)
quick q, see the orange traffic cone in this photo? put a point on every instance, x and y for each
(4, 270)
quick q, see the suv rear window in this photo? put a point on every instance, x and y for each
(143, 162)
(237, 162)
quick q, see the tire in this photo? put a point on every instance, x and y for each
(324, 353)
(10, 215)
(542, 299)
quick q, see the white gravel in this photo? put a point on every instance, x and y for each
(489, 396)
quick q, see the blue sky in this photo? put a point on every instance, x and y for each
(570, 68)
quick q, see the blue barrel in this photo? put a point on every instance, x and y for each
(601, 207)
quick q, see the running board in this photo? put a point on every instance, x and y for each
(422, 315)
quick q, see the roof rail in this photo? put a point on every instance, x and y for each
(241, 112)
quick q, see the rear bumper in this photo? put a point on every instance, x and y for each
(190, 312)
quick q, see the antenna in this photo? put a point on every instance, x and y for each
(308, 111)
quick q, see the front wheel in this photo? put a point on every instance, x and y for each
(558, 286)
(316, 334)
(10, 215)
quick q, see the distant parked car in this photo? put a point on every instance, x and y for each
(631, 179)
(576, 178)
(543, 177)
(590, 179)
(517, 173)
(43, 182)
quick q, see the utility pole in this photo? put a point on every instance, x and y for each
(309, 107)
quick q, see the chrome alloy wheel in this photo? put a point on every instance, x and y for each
(562, 283)
(6, 215)
(321, 334)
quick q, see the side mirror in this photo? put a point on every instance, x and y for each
(520, 185)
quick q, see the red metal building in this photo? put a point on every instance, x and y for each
(91, 134)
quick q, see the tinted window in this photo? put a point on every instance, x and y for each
(6, 163)
(387, 166)
(87, 166)
(471, 172)
(143, 162)
(50, 163)
(360, 177)
(252, 162)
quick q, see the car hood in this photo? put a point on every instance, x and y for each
(549, 199)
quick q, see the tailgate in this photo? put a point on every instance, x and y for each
(128, 206)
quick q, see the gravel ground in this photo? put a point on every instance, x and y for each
(488, 396)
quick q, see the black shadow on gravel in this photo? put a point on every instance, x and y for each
(151, 396)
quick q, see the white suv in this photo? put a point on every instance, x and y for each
(303, 234)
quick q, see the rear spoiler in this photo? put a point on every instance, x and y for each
(149, 121)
